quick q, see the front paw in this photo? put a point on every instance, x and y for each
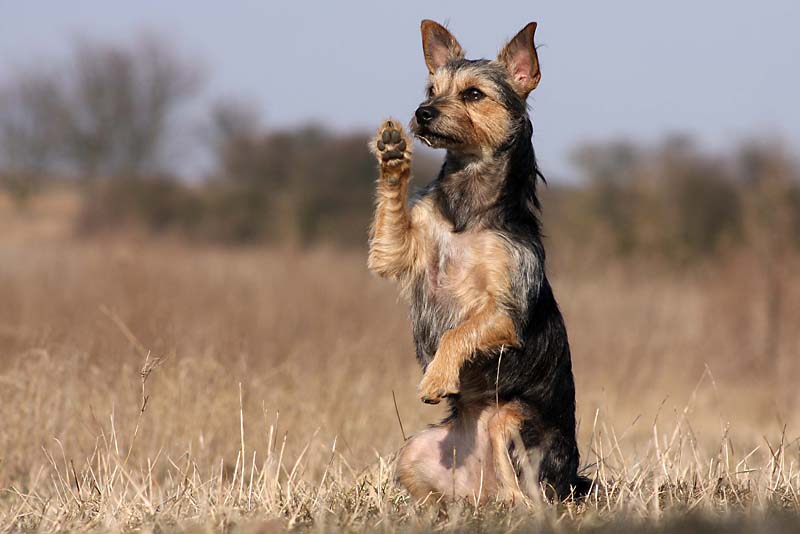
(392, 147)
(438, 383)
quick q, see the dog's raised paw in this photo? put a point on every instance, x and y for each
(392, 145)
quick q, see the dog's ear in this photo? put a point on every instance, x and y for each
(519, 57)
(438, 45)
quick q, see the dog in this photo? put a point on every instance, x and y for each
(467, 251)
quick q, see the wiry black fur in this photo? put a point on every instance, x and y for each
(538, 372)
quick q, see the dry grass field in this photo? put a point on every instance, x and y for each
(159, 386)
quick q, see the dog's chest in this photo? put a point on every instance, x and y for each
(457, 266)
(459, 273)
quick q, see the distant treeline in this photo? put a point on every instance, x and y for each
(114, 120)
(678, 202)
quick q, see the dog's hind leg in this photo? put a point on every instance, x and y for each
(504, 427)
(454, 460)
(419, 469)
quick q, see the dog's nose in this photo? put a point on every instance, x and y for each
(426, 114)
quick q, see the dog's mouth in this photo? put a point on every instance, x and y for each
(435, 140)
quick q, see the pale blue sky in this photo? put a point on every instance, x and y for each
(720, 70)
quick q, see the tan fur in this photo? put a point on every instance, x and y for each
(521, 60)
(394, 247)
(504, 425)
(466, 274)
(477, 124)
(471, 271)
(438, 45)
(467, 458)
(484, 330)
(475, 276)
(490, 121)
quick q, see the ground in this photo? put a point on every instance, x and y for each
(153, 384)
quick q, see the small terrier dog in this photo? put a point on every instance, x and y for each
(467, 251)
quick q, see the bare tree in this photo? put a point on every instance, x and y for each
(235, 135)
(31, 120)
(111, 110)
(122, 105)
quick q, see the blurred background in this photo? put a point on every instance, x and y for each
(662, 129)
(190, 181)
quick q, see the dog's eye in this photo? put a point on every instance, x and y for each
(472, 95)
(429, 92)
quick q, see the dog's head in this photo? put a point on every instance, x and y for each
(474, 105)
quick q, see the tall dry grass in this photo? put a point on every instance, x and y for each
(153, 385)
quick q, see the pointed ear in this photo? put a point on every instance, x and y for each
(438, 45)
(519, 57)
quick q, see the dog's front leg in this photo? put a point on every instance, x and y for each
(392, 245)
(485, 330)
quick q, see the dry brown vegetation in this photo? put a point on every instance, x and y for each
(153, 377)
(155, 385)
